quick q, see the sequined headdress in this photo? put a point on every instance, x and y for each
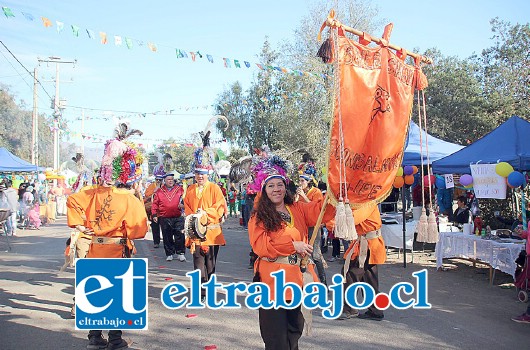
(122, 159)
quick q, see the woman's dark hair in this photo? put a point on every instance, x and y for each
(266, 213)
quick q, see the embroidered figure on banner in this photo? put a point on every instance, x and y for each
(382, 98)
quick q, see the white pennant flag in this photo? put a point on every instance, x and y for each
(117, 40)
(60, 26)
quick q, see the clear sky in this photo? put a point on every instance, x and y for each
(114, 78)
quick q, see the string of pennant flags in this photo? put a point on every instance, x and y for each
(130, 43)
(95, 138)
(108, 114)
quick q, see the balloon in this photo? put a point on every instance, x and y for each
(503, 169)
(399, 172)
(466, 180)
(516, 179)
(398, 182)
(409, 179)
(414, 170)
(428, 180)
(440, 183)
(42, 177)
(408, 170)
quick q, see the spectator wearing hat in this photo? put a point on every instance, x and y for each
(167, 211)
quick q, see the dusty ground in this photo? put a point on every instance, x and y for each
(467, 313)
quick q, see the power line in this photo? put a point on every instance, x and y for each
(16, 58)
(87, 108)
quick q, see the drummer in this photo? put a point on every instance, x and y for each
(205, 197)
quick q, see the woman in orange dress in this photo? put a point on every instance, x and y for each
(278, 235)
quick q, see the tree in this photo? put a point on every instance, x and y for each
(455, 105)
(16, 126)
(236, 154)
(506, 70)
(290, 112)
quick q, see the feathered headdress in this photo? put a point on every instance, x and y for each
(122, 159)
(265, 168)
(203, 157)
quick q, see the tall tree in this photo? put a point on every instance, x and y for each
(456, 107)
(16, 126)
(291, 112)
(506, 70)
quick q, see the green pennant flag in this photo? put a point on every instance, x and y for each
(7, 12)
(236, 63)
(75, 30)
(129, 43)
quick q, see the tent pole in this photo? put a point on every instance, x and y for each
(404, 227)
(523, 205)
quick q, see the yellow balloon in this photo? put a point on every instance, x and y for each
(503, 169)
(399, 171)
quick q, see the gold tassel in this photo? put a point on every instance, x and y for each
(350, 220)
(432, 231)
(423, 227)
(341, 223)
(307, 313)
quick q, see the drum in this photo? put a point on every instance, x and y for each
(195, 226)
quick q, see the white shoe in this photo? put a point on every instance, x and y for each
(181, 257)
(169, 258)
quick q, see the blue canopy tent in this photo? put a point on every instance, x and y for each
(509, 142)
(11, 163)
(437, 148)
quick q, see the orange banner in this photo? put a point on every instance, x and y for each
(374, 102)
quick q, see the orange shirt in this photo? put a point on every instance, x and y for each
(315, 194)
(109, 212)
(212, 201)
(368, 219)
(280, 243)
(150, 190)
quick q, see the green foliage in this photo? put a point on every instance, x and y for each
(506, 70)
(16, 126)
(182, 156)
(290, 113)
(236, 154)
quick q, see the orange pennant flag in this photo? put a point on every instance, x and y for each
(103, 37)
(152, 47)
(373, 109)
(46, 22)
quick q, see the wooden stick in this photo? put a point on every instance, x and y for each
(332, 22)
(303, 263)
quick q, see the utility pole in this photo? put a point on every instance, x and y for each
(35, 124)
(56, 109)
(83, 130)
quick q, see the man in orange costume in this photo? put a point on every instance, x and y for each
(113, 217)
(208, 197)
(362, 258)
